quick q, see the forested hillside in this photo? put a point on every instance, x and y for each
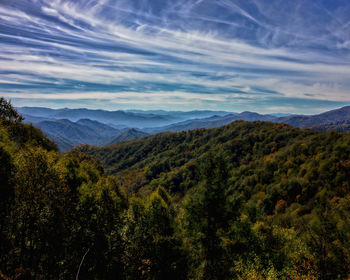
(286, 189)
(244, 201)
(127, 135)
(119, 126)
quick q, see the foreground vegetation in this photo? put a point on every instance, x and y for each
(245, 201)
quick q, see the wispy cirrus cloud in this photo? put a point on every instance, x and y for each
(227, 54)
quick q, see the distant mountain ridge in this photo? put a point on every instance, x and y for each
(211, 122)
(68, 130)
(136, 119)
(329, 120)
(323, 119)
(127, 135)
(340, 126)
(68, 134)
(71, 127)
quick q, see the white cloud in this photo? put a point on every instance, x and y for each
(148, 48)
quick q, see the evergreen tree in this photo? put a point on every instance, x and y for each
(205, 220)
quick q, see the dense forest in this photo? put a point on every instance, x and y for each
(250, 200)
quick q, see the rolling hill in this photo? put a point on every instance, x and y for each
(211, 122)
(252, 199)
(68, 134)
(323, 122)
(324, 119)
(133, 118)
(127, 135)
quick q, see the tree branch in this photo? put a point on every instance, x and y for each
(81, 263)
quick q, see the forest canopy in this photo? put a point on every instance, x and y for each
(245, 201)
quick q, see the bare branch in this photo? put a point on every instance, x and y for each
(81, 263)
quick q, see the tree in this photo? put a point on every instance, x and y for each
(98, 229)
(38, 212)
(153, 250)
(6, 196)
(7, 112)
(206, 218)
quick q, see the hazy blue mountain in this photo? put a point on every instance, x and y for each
(196, 114)
(127, 135)
(37, 111)
(340, 126)
(35, 119)
(116, 126)
(63, 144)
(338, 119)
(130, 118)
(323, 119)
(101, 129)
(120, 126)
(211, 122)
(279, 115)
(118, 118)
(252, 116)
(68, 134)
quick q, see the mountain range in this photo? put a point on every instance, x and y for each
(323, 119)
(127, 135)
(338, 119)
(211, 122)
(84, 131)
(136, 119)
(71, 127)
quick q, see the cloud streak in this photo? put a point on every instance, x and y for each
(213, 54)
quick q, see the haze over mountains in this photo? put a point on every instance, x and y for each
(137, 119)
(71, 127)
(84, 131)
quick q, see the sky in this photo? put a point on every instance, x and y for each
(268, 56)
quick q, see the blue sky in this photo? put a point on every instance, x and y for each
(235, 55)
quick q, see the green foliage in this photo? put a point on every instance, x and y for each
(244, 201)
(26, 134)
(153, 249)
(7, 112)
(6, 169)
(278, 183)
(205, 218)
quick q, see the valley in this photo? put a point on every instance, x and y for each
(72, 127)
